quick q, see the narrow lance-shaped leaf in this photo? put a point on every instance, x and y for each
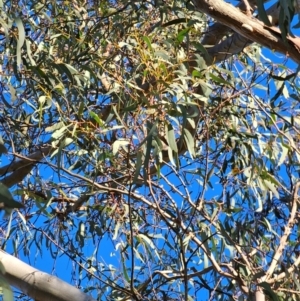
(190, 142)
(3, 149)
(7, 201)
(21, 39)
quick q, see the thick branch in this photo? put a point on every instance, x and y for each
(217, 31)
(25, 161)
(36, 284)
(250, 28)
(17, 176)
(235, 43)
(19, 169)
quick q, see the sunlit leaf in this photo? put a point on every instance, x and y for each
(119, 143)
(3, 149)
(21, 39)
(190, 142)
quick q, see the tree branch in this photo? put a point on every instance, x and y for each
(19, 169)
(248, 27)
(217, 31)
(36, 284)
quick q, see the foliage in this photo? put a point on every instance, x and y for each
(185, 171)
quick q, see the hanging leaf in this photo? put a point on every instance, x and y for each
(262, 12)
(21, 39)
(190, 142)
(3, 149)
(171, 137)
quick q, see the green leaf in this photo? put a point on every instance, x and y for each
(96, 118)
(267, 176)
(6, 199)
(163, 55)
(190, 142)
(148, 241)
(6, 290)
(182, 34)
(138, 166)
(21, 39)
(219, 80)
(283, 155)
(59, 133)
(171, 137)
(262, 12)
(29, 53)
(54, 127)
(125, 273)
(3, 149)
(271, 187)
(148, 42)
(63, 69)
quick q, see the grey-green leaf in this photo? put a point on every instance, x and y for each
(6, 199)
(21, 39)
(3, 149)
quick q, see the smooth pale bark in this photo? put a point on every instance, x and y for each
(216, 32)
(249, 27)
(36, 284)
(221, 49)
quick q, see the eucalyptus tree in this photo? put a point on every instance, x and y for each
(154, 144)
